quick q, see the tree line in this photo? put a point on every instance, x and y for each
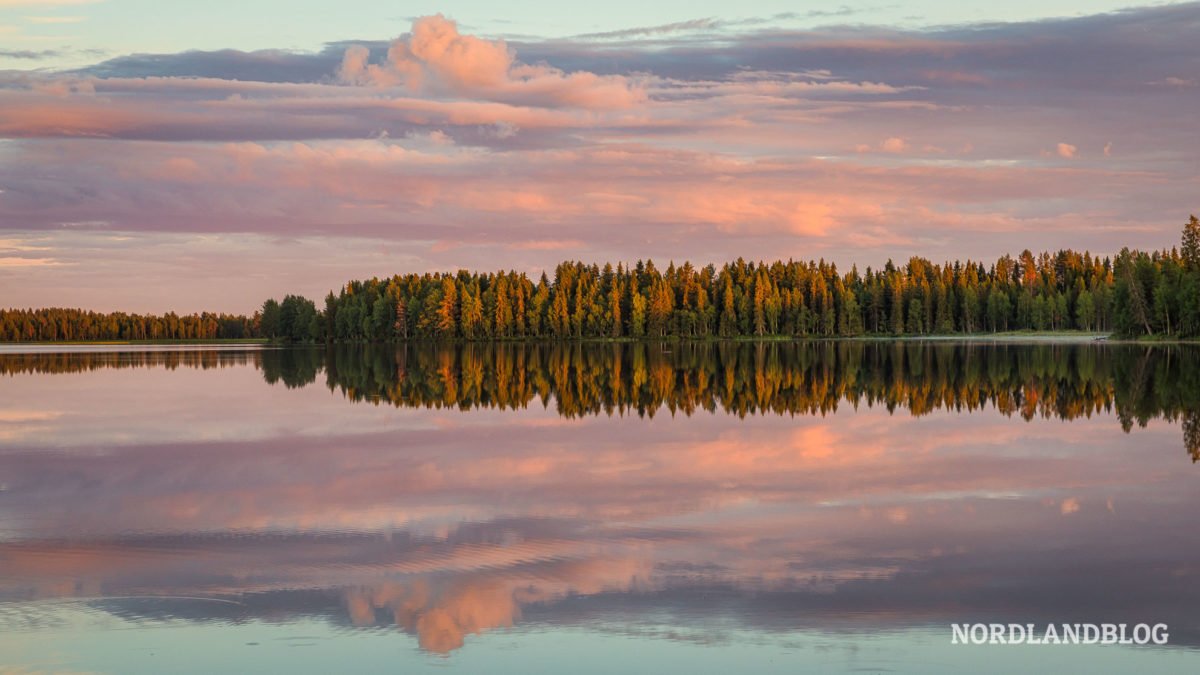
(1135, 293)
(60, 324)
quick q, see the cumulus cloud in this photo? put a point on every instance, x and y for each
(1066, 150)
(435, 58)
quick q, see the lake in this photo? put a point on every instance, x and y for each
(632, 507)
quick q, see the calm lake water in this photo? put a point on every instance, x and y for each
(741, 507)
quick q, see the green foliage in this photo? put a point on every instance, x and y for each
(1158, 293)
(294, 320)
(1137, 294)
(1085, 311)
(59, 324)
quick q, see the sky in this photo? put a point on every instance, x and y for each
(205, 156)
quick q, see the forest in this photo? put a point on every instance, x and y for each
(1132, 294)
(78, 325)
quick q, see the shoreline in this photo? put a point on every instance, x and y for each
(189, 341)
(1007, 337)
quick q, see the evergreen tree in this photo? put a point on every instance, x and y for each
(1190, 245)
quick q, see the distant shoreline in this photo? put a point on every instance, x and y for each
(1007, 337)
(1072, 337)
(196, 341)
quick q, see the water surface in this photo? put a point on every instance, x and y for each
(762, 507)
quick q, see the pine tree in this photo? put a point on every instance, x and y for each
(728, 321)
(560, 318)
(1190, 245)
(760, 316)
(447, 312)
(614, 308)
(538, 306)
(897, 308)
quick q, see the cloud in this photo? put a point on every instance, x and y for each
(264, 65)
(7, 262)
(356, 65)
(894, 144)
(546, 245)
(659, 29)
(29, 54)
(1175, 82)
(435, 58)
(1066, 150)
(54, 19)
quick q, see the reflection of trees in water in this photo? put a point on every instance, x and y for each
(75, 362)
(1063, 381)
(1160, 382)
(1191, 433)
(295, 368)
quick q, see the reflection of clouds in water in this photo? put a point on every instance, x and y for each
(681, 468)
(449, 524)
(851, 566)
(112, 406)
(442, 610)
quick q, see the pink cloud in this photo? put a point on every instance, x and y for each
(894, 144)
(546, 245)
(956, 77)
(435, 58)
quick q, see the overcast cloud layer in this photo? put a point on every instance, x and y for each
(208, 180)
